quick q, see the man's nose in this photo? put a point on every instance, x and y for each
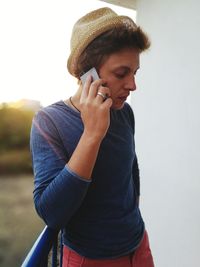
(130, 83)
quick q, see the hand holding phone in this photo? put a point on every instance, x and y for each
(91, 103)
(92, 72)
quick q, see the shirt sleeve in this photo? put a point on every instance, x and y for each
(58, 191)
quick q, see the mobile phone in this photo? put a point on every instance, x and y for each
(91, 72)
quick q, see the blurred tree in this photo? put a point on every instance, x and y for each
(15, 127)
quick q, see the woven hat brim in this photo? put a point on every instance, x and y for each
(93, 33)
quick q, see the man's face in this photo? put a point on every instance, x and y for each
(119, 71)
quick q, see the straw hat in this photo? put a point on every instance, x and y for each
(90, 26)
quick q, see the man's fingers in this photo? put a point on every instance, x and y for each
(86, 87)
(107, 103)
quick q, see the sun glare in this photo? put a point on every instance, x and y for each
(34, 46)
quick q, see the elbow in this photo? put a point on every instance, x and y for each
(48, 215)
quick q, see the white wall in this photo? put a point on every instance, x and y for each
(167, 114)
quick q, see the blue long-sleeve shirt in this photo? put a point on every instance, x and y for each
(100, 217)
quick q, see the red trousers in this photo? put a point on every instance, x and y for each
(141, 258)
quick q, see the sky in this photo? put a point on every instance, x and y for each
(34, 47)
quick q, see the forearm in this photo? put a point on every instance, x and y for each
(84, 156)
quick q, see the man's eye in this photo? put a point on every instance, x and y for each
(120, 76)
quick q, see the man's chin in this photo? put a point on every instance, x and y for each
(118, 106)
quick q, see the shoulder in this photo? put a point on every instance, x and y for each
(52, 109)
(129, 112)
(128, 108)
(56, 113)
(124, 116)
(45, 119)
(57, 119)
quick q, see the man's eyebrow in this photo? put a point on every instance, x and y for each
(125, 68)
(122, 67)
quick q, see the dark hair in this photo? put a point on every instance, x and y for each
(108, 43)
